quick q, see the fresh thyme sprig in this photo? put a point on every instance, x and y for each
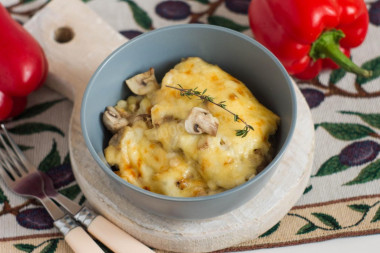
(206, 98)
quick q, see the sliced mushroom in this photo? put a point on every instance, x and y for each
(144, 117)
(112, 119)
(201, 121)
(143, 83)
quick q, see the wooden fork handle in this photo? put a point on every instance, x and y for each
(108, 233)
(80, 242)
(115, 238)
(78, 239)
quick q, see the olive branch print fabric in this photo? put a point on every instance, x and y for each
(342, 198)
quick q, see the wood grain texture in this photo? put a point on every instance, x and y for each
(114, 238)
(71, 67)
(81, 242)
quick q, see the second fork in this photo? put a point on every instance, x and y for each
(102, 229)
(30, 184)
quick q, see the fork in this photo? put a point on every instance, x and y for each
(102, 229)
(23, 178)
(109, 234)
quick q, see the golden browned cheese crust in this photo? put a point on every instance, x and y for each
(159, 155)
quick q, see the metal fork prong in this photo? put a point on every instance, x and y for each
(10, 159)
(7, 179)
(5, 162)
(12, 170)
(5, 169)
(23, 161)
(18, 165)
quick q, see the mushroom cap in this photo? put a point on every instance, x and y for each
(201, 121)
(143, 83)
(112, 119)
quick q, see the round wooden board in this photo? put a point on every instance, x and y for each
(242, 224)
(70, 67)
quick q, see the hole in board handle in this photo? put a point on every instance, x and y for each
(63, 34)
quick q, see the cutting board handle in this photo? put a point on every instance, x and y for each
(75, 40)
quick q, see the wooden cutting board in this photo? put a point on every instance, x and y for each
(76, 40)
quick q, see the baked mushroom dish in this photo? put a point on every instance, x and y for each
(199, 132)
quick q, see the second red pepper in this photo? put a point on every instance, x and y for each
(304, 35)
(23, 65)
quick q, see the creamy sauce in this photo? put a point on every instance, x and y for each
(160, 156)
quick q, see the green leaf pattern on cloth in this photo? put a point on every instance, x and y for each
(140, 16)
(368, 174)
(34, 127)
(329, 223)
(331, 166)
(37, 109)
(48, 246)
(328, 220)
(346, 131)
(71, 192)
(51, 246)
(307, 189)
(377, 216)
(51, 160)
(25, 247)
(337, 75)
(309, 227)
(66, 160)
(3, 198)
(360, 208)
(373, 65)
(225, 22)
(271, 230)
(372, 119)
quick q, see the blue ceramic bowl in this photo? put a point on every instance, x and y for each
(236, 53)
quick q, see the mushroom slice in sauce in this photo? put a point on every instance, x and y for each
(143, 83)
(112, 119)
(201, 121)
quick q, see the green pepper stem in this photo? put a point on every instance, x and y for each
(327, 46)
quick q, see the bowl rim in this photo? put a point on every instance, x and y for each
(231, 191)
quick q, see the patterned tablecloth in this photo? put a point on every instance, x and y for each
(343, 196)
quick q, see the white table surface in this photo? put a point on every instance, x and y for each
(368, 244)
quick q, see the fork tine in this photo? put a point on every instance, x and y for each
(4, 171)
(8, 165)
(22, 161)
(7, 179)
(10, 158)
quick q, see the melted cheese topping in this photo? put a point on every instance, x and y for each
(160, 156)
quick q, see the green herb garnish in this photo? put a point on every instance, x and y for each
(206, 98)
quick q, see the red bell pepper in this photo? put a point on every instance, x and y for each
(23, 65)
(6, 104)
(305, 34)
